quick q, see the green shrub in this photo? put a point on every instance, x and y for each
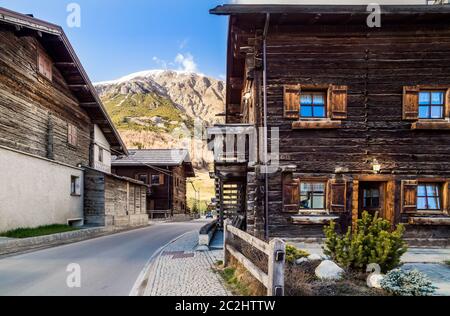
(372, 241)
(408, 283)
(195, 209)
(293, 254)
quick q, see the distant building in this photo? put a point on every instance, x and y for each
(54, 132)
(165, 171)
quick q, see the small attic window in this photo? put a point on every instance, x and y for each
(44, 65)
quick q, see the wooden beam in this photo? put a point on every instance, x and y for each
(77, 86)
(250, 266)
(89, 104)
(237, 83)
(100, 122)
(65, 64)
(252, 240)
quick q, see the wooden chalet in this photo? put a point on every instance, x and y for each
(165, 172)
(54, 131)
(361, 115)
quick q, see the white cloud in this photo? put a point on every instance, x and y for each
(182, 44)
(160, 62)
(186, 62)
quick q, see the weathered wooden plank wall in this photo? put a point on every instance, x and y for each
(29, 103)
(375, 64)
(179, 190)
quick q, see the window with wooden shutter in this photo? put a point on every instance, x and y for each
(292, 101)
(291, 194)
(338, 102)
(409, 196)
(447, 104)
(446, 198)
(338, 196)
(44, 65)
(155, 179)
(411, 103)
(72, 135)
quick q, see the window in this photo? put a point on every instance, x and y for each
(431, 104)
(100, 154)
(155, 179)
(72, 136)
(312, 195)
(371, 198)
(143, 178)
(429, 197)
(75, 186)
(312, 105)
(44, 65)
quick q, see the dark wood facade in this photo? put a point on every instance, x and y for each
(167, 181)
(370, 79)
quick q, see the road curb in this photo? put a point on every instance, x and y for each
(16, 247)
(140, 286)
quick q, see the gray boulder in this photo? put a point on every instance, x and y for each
(314, 257)
(301, 260)
(328, 270)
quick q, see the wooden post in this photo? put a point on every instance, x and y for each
(277, 254)
(225, 238)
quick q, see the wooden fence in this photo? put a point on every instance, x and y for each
(275, 250)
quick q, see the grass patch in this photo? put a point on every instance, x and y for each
(232, 280)
(238, 280)
(38, 231)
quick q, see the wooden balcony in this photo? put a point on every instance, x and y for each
(233, 143)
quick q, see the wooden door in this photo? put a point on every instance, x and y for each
(372, 198)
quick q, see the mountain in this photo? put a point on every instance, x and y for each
(152, 108)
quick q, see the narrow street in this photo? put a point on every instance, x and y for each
(109, 265)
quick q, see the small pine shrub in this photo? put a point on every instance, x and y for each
(293, 254)
(372, 241)
(408, 283)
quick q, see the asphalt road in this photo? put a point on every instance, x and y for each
(109, 265)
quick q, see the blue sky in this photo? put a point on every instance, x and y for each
(118, 37)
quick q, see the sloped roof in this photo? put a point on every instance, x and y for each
(333, 9)
(157, 158)
(58, 47)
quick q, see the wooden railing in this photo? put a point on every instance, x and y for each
(275, 250)
(233, 143)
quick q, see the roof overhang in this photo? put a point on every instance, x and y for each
(55, 41)
(145, 158)
(389, 10)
